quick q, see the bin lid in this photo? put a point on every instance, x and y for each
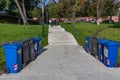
(24, 42)
(87, 37)
(37, 39)
(12, 45)
(95, 37)
(112, 43)
(103, 41)
(108, 42)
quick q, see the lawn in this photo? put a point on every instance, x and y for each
(11, 32)
(111, 33)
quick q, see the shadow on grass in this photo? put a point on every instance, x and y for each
(115, 25)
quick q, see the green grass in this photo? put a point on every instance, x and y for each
(111, 34)
(11, 32)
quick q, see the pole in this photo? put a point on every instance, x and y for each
(42, 20)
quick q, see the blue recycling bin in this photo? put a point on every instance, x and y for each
(111, 53)
(13, 54)
(37, 42)
(87, 44)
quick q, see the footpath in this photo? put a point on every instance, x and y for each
(64, 59)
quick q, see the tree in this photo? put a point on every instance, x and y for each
(22, 13)
(68, 8)
(76, 5)
(36, 12)
(99, 8)
(118, 6)
(2, 4)
(53, 10)
(64, 8)
(85, 9)
(24, 9)
(16, 7)
(8, 5)
(110, 9)
(24, 6)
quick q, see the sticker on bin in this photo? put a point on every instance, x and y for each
(35, 46)
(15, 67)
(105, 51)
(99, 47)
(108, 62)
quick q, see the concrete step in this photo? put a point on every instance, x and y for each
(56, 29)
(58, 36)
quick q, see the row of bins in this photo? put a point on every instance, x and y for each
(106, 51)
(19, 53)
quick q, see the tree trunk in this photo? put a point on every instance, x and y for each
(21, 12)
(97, 19)
(99, 10)
(119, 16)
(110, 21)
(19, 19)
(24, 9)
(97, 22)
(111, 14)
(73, 16)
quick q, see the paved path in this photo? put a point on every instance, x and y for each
(64, 59)
(58, 36)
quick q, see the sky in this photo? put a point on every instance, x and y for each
(47, 1)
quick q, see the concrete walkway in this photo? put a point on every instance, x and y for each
(58, 36)
(64, 59)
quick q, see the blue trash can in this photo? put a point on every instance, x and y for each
(101, 50)
(37, 42)
(32, 50)
(87, 44)
(28, 51)
(93, 46)
(13, 54)
(111, 53)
